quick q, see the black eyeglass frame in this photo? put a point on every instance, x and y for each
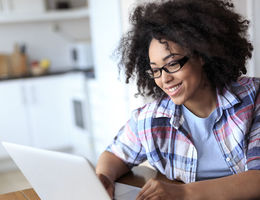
(181, 62)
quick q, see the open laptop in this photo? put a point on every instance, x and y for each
(61, 176)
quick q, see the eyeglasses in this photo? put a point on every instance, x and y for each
(171, 67)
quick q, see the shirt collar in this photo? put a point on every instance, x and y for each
(227, 99)
(166, 108)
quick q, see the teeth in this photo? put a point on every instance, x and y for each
(174, 88)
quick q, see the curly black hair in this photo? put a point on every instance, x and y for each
(210, 29)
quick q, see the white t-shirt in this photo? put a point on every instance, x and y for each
(211, 163)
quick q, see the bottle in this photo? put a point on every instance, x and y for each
(19, 61)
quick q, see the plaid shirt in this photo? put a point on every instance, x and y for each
(155, 132)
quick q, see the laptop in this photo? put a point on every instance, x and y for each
(60, 176)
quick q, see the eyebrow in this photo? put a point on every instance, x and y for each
(165, 58)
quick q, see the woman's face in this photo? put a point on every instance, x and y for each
(184, 85)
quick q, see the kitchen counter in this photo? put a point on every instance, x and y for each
(89, 73)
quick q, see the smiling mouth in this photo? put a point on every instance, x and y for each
(173, 89)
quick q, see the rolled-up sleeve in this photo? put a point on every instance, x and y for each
(126, 145)
(253, 142)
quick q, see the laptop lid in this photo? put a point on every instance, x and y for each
(56, 175)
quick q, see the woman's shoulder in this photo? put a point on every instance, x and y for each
(245, 86)
(248, 81)
(154, 108)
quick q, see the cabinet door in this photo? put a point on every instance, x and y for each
(13, 114)
(48, 112)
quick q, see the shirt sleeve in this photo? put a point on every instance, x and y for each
(126, 145)
(253, 139)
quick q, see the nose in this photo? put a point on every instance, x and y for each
(166, 77)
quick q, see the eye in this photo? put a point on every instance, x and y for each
(155, 70)
(172, 63)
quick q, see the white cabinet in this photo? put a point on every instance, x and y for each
(48, 109)
(13, 114)
(38, 112)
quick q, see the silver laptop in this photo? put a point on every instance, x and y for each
(56, 175)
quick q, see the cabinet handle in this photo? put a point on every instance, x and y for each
(78, 114)
(34, 98)
(24, 96)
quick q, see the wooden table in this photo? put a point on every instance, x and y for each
(28, 194)
(137, 177)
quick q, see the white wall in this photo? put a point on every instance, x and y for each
(107, 93)
(44, 41)
(241, 6)
(249, 9)
(256, 29)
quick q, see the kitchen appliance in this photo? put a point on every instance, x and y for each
(81, 55)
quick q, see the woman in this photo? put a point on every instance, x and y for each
(203, 127)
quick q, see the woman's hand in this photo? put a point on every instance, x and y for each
(159, 190)
(108, 184)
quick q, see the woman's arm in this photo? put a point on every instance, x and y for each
(111, 166)
(243, 186)
(108, 169)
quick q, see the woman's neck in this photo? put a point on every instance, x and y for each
(204, 103)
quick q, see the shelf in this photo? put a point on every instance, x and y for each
(45, 17)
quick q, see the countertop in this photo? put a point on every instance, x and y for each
(89, 73)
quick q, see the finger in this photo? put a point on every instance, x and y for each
(148, 193)
(154, 195)
(147, 188)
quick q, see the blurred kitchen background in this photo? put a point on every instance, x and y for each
(59, 82)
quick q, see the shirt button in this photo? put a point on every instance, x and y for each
(227, 159)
